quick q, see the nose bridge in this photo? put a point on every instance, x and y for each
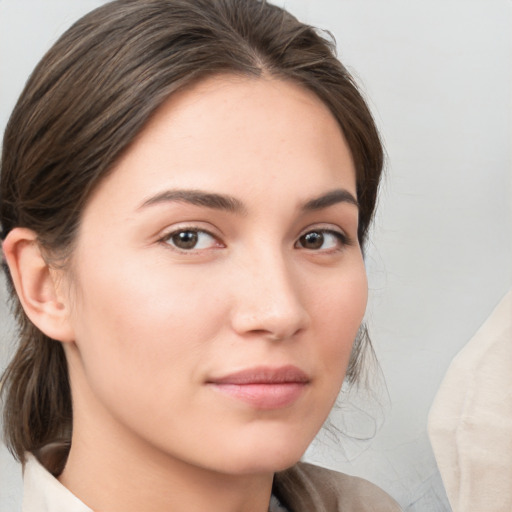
(268, 298)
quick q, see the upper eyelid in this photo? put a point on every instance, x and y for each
(190, 226)
(325, 227)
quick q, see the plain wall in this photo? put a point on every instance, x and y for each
(438, 77)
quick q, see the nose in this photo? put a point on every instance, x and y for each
(267, 299)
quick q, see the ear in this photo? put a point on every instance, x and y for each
(37, 285)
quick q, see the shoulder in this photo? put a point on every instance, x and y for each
(305, 487)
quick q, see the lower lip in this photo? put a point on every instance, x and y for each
(264, 396)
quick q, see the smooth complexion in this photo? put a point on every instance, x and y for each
(212, 300)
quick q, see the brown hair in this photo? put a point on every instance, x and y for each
(86, 101)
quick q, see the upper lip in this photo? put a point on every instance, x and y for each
(264, 375)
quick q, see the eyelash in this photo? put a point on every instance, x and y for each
(341, 237)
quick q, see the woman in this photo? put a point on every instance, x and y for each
(186, 189)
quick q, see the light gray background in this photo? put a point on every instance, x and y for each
(438, 78)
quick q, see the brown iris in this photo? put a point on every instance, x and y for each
(185, 239)
(312, 240)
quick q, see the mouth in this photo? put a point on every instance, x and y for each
(264, 388)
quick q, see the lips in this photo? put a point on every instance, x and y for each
(262, 387)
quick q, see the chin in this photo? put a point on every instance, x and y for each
(266, 456)
(271, 446)
(267, 465)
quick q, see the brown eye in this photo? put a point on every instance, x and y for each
(313, 240)
(190, 239)
(321, 240)
(185, 239)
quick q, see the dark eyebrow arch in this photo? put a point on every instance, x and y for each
(198, 198)
(330, 198)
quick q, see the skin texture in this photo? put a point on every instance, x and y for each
(148, 328)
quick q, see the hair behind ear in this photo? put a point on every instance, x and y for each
(36, 393)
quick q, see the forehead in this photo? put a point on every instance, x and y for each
(231, 134)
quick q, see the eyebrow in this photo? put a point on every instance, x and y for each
(234, 205)
(336, 196)
(198, 198)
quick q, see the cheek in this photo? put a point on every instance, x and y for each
(338, 314)
(143, 331)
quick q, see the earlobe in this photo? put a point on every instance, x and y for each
(36, 285)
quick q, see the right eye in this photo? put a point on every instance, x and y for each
(191, 239)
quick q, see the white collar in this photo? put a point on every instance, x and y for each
(42, 492)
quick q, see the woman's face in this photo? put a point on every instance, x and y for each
(217, 282)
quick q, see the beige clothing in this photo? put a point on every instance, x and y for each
(308, 488)
(470, 422)
(302, 488)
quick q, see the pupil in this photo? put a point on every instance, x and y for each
(313, 240)
(185, 239)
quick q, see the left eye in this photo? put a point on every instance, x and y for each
(191, 239)
(321, 240)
